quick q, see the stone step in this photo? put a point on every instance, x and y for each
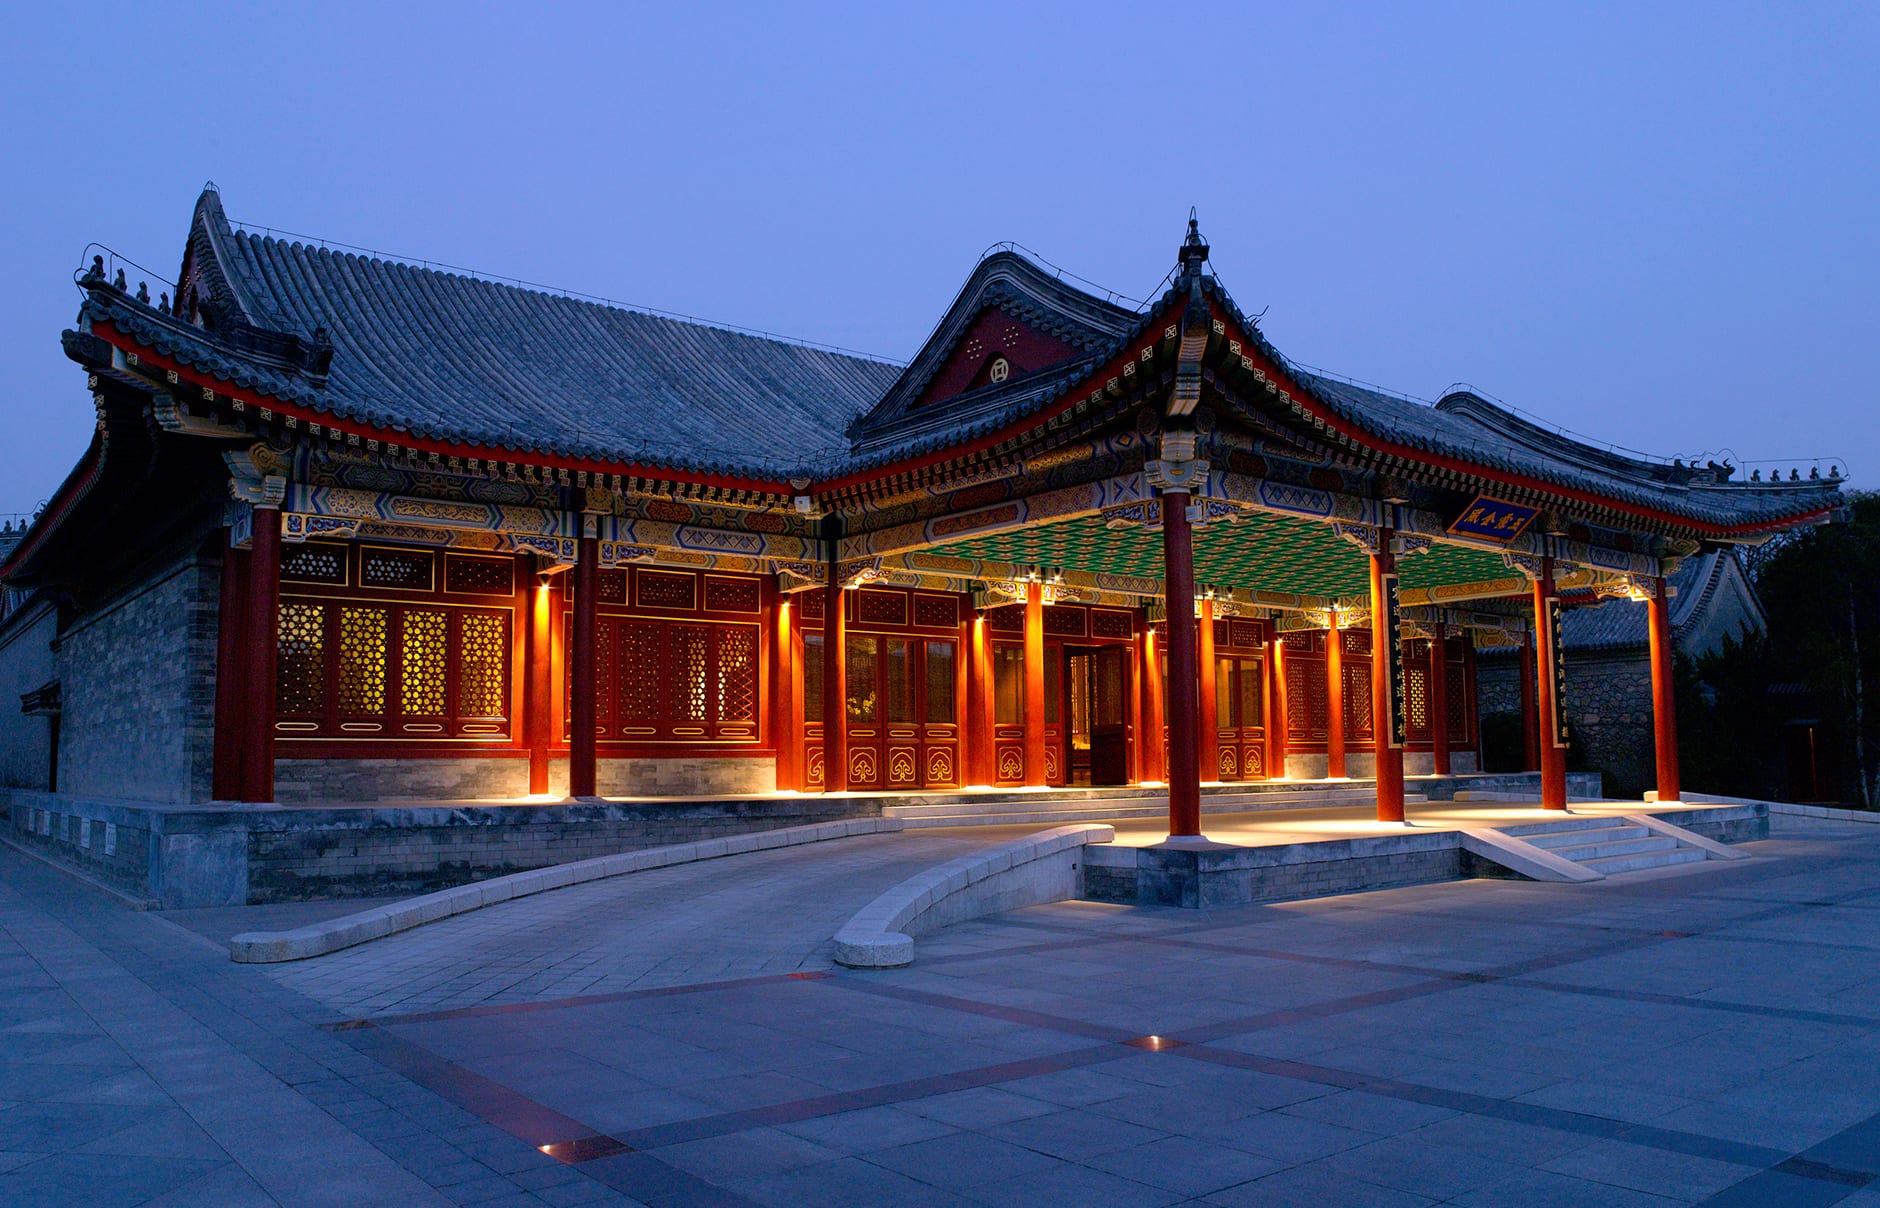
(1571, 838)
(1553, 826)
(921, 818)
(1585, 853)
(1658, 859)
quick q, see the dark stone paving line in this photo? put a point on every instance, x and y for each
(796, 1111)
(1797, 1014)
(430, 1140)
(609, 1160)
(1188, 1045)
(560, 1004)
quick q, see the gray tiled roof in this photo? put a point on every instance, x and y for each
(451, 357)
(443, 355)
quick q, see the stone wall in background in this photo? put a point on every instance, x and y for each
(139, 688)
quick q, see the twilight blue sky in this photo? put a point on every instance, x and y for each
(1657, 225)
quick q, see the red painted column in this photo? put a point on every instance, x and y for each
(1034, 685)
(1439, 700)
(1155, 740)
(835, 688)
(1389, 755)
(1210, 757)
(1664, 699)
(1335, 698)
(1184, 693)
(1553, 755)
(1277, 711)
(1525, 657)
(230, 689)
(537, 680)
(583, 752)
(260, 639)
(786, 735)
(978, 728)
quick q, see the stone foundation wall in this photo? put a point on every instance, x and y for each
(138, 678)
(112, 844)
(1239, 876)
(506, 778)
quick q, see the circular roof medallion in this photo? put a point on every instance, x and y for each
(999, 370)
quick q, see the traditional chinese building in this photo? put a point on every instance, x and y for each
(351, 529)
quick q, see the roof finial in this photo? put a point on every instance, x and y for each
(1194, 250)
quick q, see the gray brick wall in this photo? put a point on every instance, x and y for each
(1609, 712)
(26, 663)
(139, 685)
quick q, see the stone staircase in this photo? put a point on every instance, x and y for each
(1062, 811)
(1610, 845)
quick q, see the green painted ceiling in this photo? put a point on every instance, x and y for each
(1263, 552)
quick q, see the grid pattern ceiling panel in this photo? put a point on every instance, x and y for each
(1264, 552)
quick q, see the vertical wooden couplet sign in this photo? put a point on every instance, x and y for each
(1396, 686)
(1559, 738)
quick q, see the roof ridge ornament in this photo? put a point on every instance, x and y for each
(1194, 249)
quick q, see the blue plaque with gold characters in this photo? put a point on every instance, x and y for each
(1493, 519)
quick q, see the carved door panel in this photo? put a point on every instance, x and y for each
(1240, 717)
(1008, 713)
(939, 713)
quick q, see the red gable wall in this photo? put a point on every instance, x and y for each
(993, 333)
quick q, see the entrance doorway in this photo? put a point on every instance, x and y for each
(1094, 702)
(1240, 716)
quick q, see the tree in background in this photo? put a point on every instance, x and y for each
(1821, 590)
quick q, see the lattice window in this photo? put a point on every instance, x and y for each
(689, 683)
(409, 569)
(1302, 641)
(810, 604)
(1247, 634)
(300, 669)
(1105, 623)
(482, 680)
(1064, 621)
(937, 612)
(1357, 641)
(610, 586)
(1416, 683)
(881, 608)
(1460, 734)
(1357, 700)
(1007, 618)
(422, 677)
(737, 673)
(484, 576)
(731, 595)
(362, 649)
(314, 562)
(1307, 705)
(637, 672)
(662, 589)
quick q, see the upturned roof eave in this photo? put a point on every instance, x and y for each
(1323, 411)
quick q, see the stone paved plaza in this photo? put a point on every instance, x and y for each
(1708, 1033)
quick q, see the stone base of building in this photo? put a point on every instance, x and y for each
(505, 777)
(1201, 875)
(221, 855)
